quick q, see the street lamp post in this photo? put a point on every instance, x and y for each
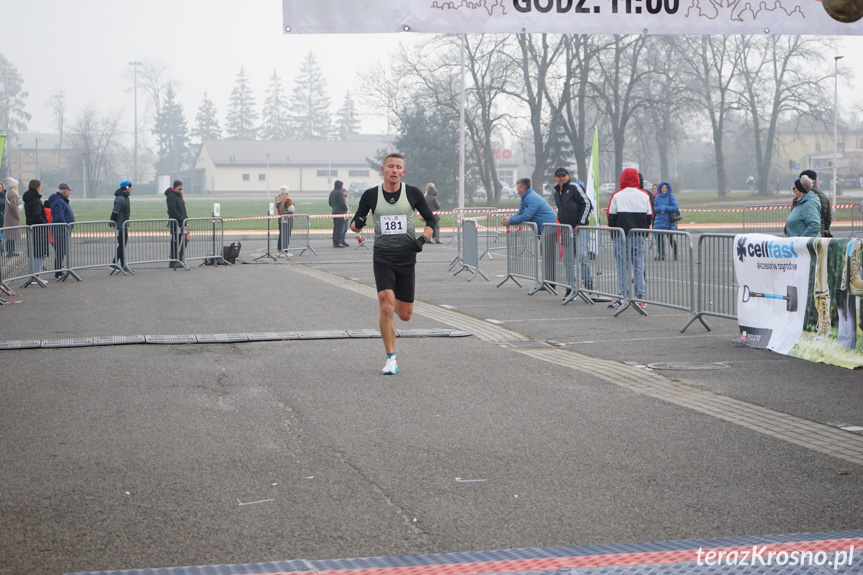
(135, 68)
(835, 126)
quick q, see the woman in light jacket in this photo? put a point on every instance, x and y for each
(12, 215)
(805, 218)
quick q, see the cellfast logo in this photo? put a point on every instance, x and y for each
(766, 249)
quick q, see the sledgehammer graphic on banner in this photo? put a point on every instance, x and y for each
(790, 298)
(771, 270)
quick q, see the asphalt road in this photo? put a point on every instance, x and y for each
(146, 456)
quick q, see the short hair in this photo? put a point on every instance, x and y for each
(393, 155)
(34, 184)
(523, 182)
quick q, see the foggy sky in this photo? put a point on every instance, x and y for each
(85, 47)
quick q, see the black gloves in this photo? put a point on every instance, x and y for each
(419, 243)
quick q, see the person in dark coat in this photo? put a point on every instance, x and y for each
(826, 211)
(339, 205)
(61, 213)
(177, 212)
(34, 212)
(120, 215)
(434, 206)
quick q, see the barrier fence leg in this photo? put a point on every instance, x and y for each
(696, 316)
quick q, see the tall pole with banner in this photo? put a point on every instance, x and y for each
(2, 145)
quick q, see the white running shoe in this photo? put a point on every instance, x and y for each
(390, 367)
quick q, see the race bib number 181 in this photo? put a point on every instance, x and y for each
(391, 225)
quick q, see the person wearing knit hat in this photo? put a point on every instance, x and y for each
(826, 211)
(121, 213)
(805, 217)
(11, 216)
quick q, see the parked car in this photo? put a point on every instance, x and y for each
(480, 194)
(509, 192)
(356, 189)
(607, 189)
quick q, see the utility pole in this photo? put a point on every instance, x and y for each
(135, 68)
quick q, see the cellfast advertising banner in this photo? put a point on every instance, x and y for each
(2, 145)
(801, 297)
(575, 16)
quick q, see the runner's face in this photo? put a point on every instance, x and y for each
(393, 170)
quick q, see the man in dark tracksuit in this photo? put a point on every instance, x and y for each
(574, 208)
(339, 204)
(120, 215)
(177, 212)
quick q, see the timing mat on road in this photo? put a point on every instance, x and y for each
(222, 338)
(833, 552)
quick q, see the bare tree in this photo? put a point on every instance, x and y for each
(580, 51)
(712, 64)
(536, 60)
(57, 104)
(617, 87)
(96, 139)
(774, 85)
(666, 95)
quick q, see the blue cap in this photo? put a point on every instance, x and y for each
(125, 185)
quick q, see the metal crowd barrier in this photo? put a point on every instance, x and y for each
(205, 240)
(495, 232)
(522, 255)
(847, 213)
(558, 259)
(296, 231)
(470, 260)
(856, 224)
(660, 263)
(93, 245)
(49, 244)
(765, 219)
(15, 262)
(717, 284)
(598, 275)
(154, 241)
(458, 217)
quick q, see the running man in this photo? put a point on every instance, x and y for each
(393, 205)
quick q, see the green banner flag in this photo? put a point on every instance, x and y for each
(2, 145)
(593, 179)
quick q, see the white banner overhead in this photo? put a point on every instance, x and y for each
(575, 16)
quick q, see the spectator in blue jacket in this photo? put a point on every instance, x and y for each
(61, 213)
(664, 204)
(533, 208)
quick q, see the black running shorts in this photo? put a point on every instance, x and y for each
(400, 279)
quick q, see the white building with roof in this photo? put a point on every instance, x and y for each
(247, 166)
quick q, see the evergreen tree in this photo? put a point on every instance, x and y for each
(429, 143)
(172, 134)
(310, 105)
(560, 152)
(13, 116)
(242, 117)
(347, 121)
(276, 120)
(206, 122)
